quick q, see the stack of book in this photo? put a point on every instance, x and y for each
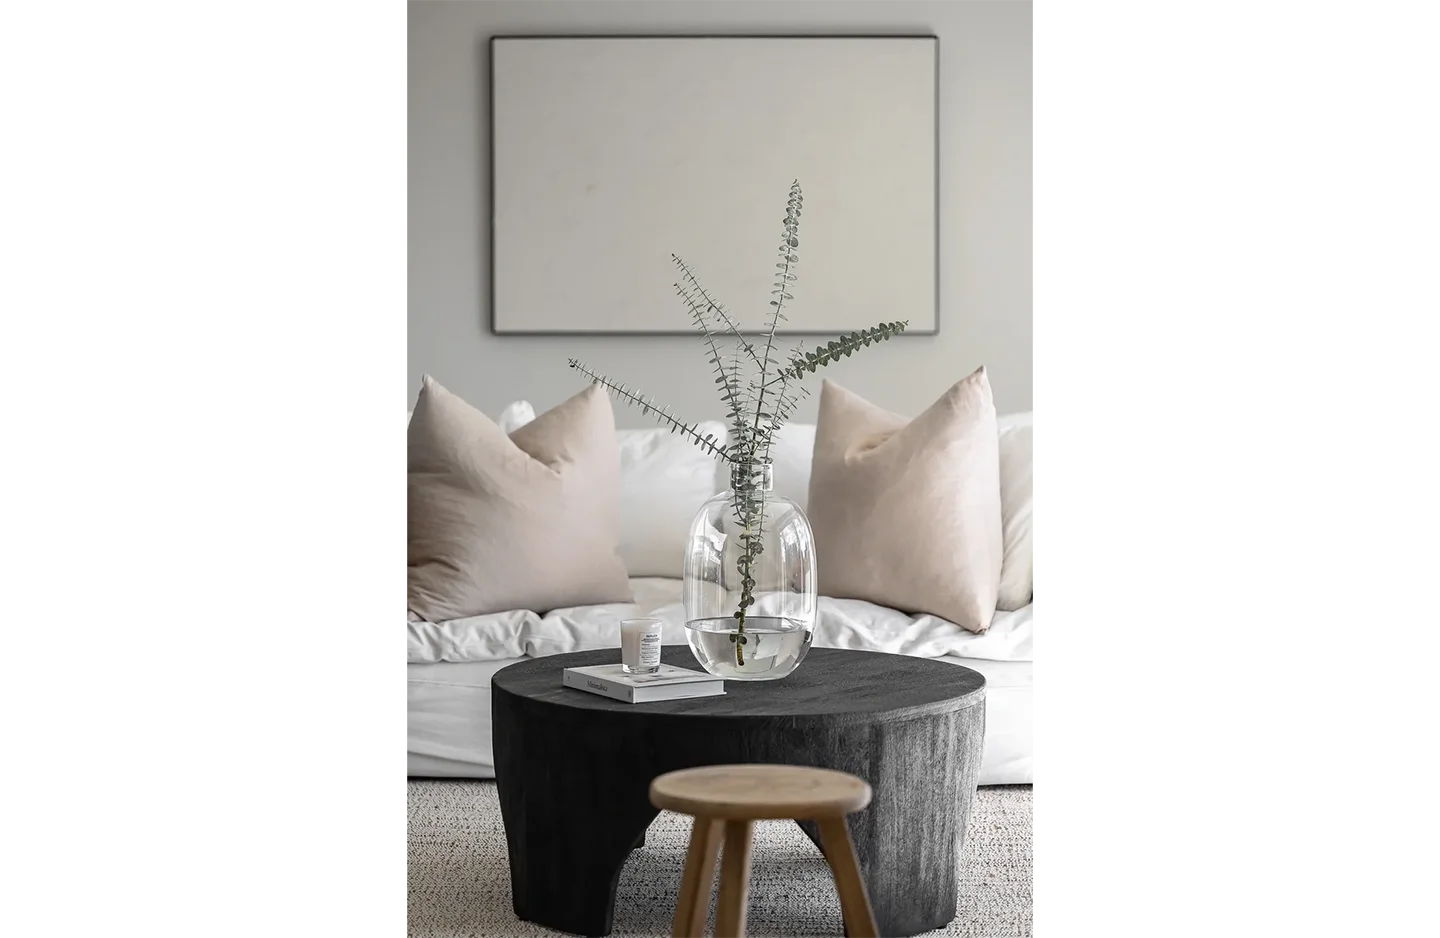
(669, 683)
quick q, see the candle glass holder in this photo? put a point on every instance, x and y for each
(640, 646)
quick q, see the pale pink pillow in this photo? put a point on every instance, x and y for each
(906, 513)
(528, 520)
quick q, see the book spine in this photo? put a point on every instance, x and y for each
(596, 686)
(692, 690)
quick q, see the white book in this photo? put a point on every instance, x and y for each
(669, 683)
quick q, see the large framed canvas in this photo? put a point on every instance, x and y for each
(608, 154)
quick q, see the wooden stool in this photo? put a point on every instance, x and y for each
(732, 797)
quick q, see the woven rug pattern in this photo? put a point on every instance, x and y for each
(459, 874)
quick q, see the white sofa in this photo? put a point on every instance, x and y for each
(664, 481)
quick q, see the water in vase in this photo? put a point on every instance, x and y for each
(773, 647)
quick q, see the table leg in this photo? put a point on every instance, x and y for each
(564, 868)
(570, 825)
(908, 841)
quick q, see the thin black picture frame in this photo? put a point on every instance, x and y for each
(626, 333)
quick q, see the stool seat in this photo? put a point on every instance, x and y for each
(760, 792)
(725, 801)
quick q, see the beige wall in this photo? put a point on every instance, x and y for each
(985, 200)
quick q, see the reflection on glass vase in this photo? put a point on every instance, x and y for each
(750, 582)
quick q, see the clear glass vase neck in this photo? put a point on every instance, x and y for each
(761, 476)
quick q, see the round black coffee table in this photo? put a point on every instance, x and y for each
(574, 770)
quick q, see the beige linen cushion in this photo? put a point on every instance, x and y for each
(524, 521)
(906, 513)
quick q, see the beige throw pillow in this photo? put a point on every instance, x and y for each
(906, 513)
(525, 521)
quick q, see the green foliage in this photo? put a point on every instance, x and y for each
(843, 346)
(758, 403)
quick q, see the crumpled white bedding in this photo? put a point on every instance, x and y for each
(842, 623)
(450, 737)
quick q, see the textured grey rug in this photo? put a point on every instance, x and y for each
(460, 876)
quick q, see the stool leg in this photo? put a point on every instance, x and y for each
(694, 901)
(854, 903)
(734, 880)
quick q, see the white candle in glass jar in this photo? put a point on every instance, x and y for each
(640, 646)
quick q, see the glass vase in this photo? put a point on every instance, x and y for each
(750, 581)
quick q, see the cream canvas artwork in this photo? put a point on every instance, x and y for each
(608, 154)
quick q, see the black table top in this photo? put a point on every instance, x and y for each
(831, 682)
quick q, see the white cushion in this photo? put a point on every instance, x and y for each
(664, 480)
(1022, 418)
(515, 416)
(1017, 460)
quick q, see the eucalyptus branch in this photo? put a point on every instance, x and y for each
(751, 543)
(729, 380)
(648, 406)
(716, 307)
(738, 415)
(789, 399)
(843, 346)
(789, 244)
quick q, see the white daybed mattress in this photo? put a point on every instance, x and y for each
(451, 665)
